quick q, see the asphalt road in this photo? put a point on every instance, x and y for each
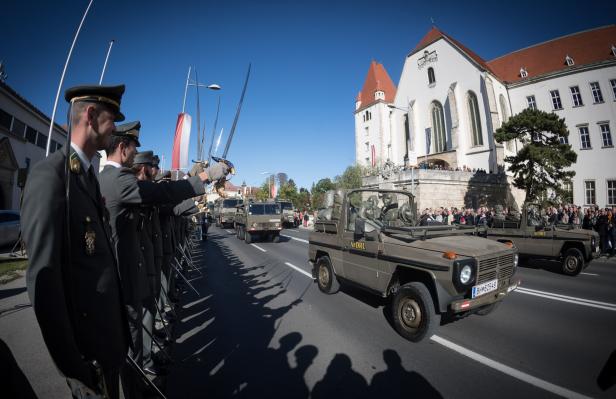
(261, 328)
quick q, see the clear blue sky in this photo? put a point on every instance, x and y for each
(309, 61)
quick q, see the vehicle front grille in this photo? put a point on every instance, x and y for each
(500, 268)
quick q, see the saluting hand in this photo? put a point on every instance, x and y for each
(215, 172)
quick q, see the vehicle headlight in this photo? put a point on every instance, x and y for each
(254, 225)
(277, 225)
(466, 274)
(516, 258)
(593, 242)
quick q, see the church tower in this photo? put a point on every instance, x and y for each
(372, 125)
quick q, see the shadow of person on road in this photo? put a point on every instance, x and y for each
(341, 381)
(12, 380)
(11, 292)
(396, 382)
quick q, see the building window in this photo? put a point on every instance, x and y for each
(606, 135)
(438, 127)
(611, 192)
(473, 110)
(569, 60)
(367, 161)
(556, 103)
(613, 82)
(431, 77)
(367, 131)
(589, 188)
(6, 119)
(53, 146)
(584, 137)
(504, 108)
(18, 127)
(563, 140)
(596, 92)
(567, 192)
(407, 134)
(523, 73)
(41, 140)
(367, 116)
(577, 97)
(31, 135)
(532, 104)
(367, 146)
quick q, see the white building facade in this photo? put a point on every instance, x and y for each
(449, 102)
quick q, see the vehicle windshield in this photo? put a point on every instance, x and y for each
(286, 205)
(378, 209)
(231, 203)
(264, 209)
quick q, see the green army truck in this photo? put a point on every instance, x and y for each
(226, 211)
(370, 238)
(286, 213)
(258, 220)
(535, 237)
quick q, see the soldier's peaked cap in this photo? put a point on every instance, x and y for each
(155, 160)
(108, 95)
(144, 157)
(130, 130)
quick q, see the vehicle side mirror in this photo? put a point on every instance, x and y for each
(360, 227)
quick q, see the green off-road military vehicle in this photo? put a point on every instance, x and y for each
(535, 237)
(258, 219)
(286, 213)
(225, 215)
(370, 238)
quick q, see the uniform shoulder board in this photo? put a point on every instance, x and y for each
(75, 163)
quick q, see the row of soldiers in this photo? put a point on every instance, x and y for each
(101, 249)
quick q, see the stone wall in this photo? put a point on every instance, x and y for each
(436, 188)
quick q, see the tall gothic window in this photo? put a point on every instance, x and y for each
(431, 77)
(438, 127)
(473, 110)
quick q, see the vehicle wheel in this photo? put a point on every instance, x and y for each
(486, 310)
(573, 262)
(413, 312)
(247, 237)
(240, 232)
(326, 279)
(276, 238)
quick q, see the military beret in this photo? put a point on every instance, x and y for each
(130, 130)
(144, 157)
(155, 161)
(108, 95)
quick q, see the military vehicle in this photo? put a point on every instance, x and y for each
(535, 237)
(258, 219)
(286, 213)
(226, 211)
(371, 239)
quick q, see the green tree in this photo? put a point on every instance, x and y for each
(288, 191)
(318, 191)
(351, 177)
(263, 193)
(541, 165)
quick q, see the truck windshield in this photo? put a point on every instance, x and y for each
(286, 205)
(231, 203)
(263, 209)
(380, 209)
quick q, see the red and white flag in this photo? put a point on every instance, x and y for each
(373, 155)
(273, 192)
(179, 157)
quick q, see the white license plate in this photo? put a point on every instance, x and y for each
(274, 220)
(484, 288)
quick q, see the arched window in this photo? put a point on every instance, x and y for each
(473, 114)
(505, 117)
(431, 77)
(438, 127)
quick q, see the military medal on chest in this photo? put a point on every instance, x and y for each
(89, 237)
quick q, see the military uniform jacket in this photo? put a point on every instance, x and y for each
(78, 305)
(124, 195)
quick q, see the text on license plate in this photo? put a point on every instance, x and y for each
(484, 288)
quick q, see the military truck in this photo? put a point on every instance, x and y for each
(370, 238)
(258, 220)
(226, 211)
(286, 213)
(535, 237)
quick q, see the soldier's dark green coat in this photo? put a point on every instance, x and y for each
(88, 289)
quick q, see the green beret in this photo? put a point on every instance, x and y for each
(144, 157)
(130, 130)
(108, 95)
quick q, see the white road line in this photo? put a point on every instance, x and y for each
(298, 269)
(258, 247)
(230, 232)
(590, 274)
(563, 298)
(548, 386)
(295, 238)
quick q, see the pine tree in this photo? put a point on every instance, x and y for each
(542, 163)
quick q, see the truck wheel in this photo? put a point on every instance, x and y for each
(573, 262)
(276, 238)
(326, 279)
(413, 312)
(240, 233)
(486, 310)
(247, 237)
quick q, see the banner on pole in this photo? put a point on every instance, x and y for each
(179, 156)
(373, 153)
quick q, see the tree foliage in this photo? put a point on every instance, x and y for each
(541, 165)
(351, 177)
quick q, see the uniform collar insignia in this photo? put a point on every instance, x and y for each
(75, 163)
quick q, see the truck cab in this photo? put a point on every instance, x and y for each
(258, 220)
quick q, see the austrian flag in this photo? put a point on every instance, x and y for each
(179, 157)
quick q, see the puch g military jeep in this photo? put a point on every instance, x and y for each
(370, 238)
(226, 211)
(535, 237)
(258, 219)
(286, 213)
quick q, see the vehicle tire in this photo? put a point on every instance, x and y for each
(240, 233)
(326, 279)
(247, 237)
(486, 310)
(413, 312)
(573, 262)
(276, 238)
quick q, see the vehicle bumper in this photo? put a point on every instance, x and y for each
(463, 305)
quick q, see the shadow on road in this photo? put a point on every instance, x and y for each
(12, 380)
(11, 292)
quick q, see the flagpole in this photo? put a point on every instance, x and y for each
(186, 90)
(100, 82)
(198, 117)
(68, 58)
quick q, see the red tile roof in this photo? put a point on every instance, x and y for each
(585, 48)
(377, 79)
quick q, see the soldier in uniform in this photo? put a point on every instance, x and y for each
(72, 277)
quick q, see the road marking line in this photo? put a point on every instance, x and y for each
(258, 247)
(590, 274)
(230, 232)
(577, 301)
(568, 297)
(295, 238)
(520, 375)
(298, 269)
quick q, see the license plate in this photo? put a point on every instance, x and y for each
(274, 220)
(484, 288)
